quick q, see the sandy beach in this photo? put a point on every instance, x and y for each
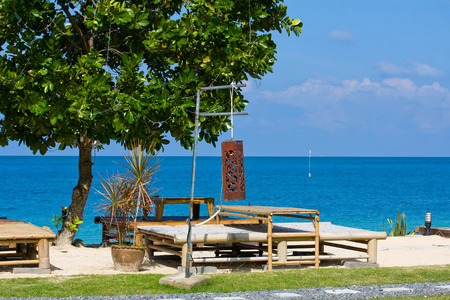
(393, 252)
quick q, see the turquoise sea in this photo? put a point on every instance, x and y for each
(361, 192)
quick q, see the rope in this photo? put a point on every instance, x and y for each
(231, 108)
(220, 206)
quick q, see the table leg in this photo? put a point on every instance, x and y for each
(210, 205)
(43, 252)
(196, 211)
(159, 209)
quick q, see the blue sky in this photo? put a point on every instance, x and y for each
(365, 78)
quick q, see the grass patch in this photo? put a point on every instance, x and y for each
(131, 284)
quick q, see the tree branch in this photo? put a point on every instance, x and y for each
(77, 29)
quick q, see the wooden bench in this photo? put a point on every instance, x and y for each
(35, 239)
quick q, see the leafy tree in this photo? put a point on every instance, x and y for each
(116, 70)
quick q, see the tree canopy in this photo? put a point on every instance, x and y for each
(126, 71)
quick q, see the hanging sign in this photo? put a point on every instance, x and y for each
(233, 176)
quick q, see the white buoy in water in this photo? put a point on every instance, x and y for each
(309, 175)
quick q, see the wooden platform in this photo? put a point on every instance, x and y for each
(35, 239)
(243, 243)
(265, 215)
(108, 235)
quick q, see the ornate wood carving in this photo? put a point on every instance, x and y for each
(233, 176)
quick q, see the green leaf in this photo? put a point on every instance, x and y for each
(295, 22)
(43, 72)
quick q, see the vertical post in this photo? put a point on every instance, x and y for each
(282, 251)
(191, 203)
(31, 250)
(43, 252)
(372, 247)
(269, 242)
(139, 239)
(317, 241)
(184, 260)
(148, 244)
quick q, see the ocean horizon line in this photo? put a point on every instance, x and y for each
(258, 156)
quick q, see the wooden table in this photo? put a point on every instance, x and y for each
(265, 214)
(35, 238)
(161, 202)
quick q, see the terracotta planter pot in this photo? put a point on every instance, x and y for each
(127, 258)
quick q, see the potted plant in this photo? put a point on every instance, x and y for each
(126, 197)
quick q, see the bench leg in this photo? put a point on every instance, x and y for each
(31, 251)
(282, 251)
(43, 252)
(150, 251)
(372, 248)
(184, 251)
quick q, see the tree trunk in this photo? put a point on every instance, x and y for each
(79, 195)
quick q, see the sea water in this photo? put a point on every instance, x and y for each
(361, 192)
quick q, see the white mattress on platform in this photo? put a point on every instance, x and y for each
(258, 232)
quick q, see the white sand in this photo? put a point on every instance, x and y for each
(394, 251)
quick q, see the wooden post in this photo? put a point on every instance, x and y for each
(372, 246)
(43, 252)
(282, 251)
(269, 243)
(321, 247)
(31, 251)
(150, 251)
(317, 241)
(105, 232)
(196, 211)
(139, 239)
(184, 251)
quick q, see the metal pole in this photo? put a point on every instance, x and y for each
(194, 161)
(191, 203)
(221, 87)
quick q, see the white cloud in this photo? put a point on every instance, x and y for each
(410, 67)
(340, 35)
(393, 104)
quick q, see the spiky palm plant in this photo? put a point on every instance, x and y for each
(400, 225)
(126, 196)
(113, 204)
(142, 166)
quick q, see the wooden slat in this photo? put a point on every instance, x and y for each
(22, 231)
(266, 210)
(19, 262)
(165, 249)
(241, 215)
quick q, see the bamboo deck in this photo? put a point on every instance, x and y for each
(35, 240)
(287, 237)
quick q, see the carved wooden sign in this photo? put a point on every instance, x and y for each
(233, 175)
